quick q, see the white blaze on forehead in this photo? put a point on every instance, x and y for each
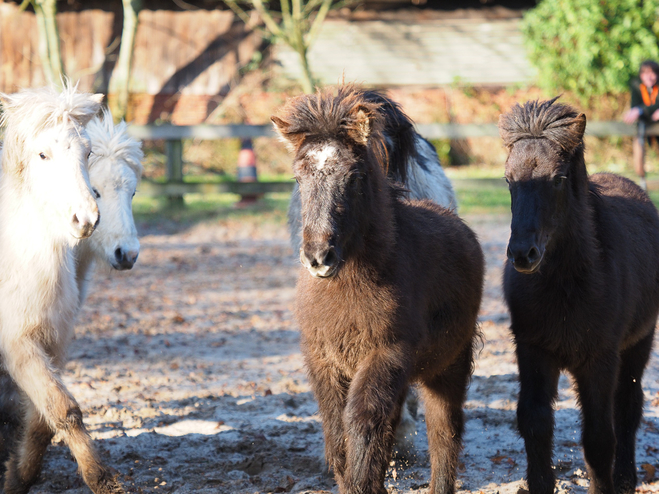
(322, 155)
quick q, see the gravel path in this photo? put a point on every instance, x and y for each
(190, 378)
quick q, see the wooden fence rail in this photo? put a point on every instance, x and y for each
(175, 186)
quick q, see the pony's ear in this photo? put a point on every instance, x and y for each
(98, 98)
(508, 135)
(578, 126)
(92, 109)
(360, 124)
(568, 133)
(5, 103)
(293, 140)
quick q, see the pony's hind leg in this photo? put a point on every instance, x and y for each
(627, 411)
(28, 365)
(538, 376)
(11, 417)
(444, 396)
(24, 463)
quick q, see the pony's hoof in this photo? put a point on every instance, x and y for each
(107, 483)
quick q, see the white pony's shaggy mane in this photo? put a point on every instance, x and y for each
(112, 141)
(27, 113)
(32, 110)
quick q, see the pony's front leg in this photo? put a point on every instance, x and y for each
(444, 396)
(538, 376)
(595, 385)
(330, 388)
(29, 366)
(375, 398)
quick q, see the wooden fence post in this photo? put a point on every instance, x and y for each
(174, 152)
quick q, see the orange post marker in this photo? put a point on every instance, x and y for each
(247, 170)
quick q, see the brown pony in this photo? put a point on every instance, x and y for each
(390, 294)
(582, 285)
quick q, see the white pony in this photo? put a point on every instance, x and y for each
(115, 168)
(46, 208)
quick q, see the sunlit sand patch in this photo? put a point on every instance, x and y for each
(185, 427)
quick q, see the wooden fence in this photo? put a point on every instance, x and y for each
(175, 185)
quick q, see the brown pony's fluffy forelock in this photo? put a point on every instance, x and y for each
(347, 116)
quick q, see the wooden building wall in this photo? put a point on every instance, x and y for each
(178, 54)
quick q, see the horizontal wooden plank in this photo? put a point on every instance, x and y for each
(429, 131)
(155, 189)
(173, 132)
(457, 131)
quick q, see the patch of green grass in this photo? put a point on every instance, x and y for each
(211, 207)
(654, 195)
(272, 207)
(479, 200)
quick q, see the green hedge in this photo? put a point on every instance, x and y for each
(591, 47)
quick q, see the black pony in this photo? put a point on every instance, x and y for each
(582, 286)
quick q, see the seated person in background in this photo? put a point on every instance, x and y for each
(644, 110)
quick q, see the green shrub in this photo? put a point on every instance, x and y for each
(591, 47)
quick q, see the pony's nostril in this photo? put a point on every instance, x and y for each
(509, 254)
(75, 220)
(533, 254)
(119, 254)
(330, 258)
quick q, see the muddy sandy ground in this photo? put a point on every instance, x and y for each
(190, 378)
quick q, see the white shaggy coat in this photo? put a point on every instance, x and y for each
(46, 208)
(115, 168)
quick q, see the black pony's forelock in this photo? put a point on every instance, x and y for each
(542, 120)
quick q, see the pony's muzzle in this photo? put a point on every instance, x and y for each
(525, 257)
(124, 259)
(321, 261)
(84, 224)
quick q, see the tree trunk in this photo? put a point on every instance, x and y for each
(120, 79)
(49, 47)
(306, 79)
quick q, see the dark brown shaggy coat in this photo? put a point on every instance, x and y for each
(394, 298)
(582, 285)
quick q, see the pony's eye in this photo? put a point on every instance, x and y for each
(558, 180)
(89, 154)
(43, 156)
(97, 194)
(133, 194)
